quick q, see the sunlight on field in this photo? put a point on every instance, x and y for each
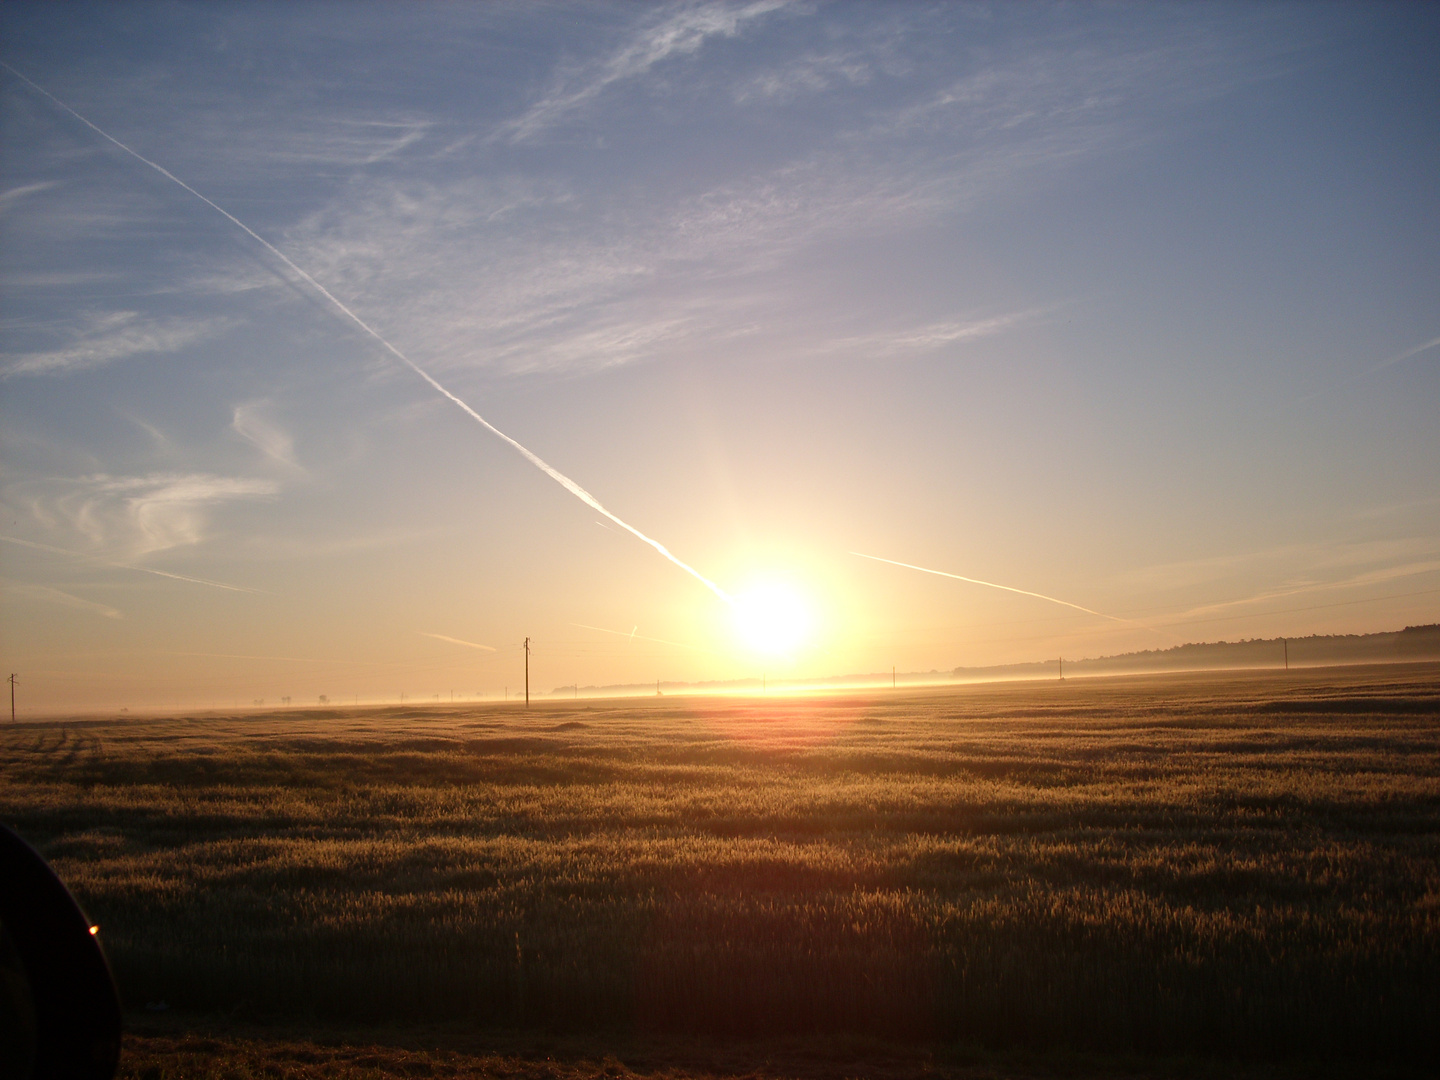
(1164, 864)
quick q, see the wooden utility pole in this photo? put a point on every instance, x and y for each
(1062, 669)
(527, 672)
(12, 698)
(892, 677)
(1282, 642)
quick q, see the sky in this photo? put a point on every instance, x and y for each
(1134, 309)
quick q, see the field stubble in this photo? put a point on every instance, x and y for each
(1238, 864)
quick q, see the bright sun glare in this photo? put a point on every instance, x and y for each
(773, 618)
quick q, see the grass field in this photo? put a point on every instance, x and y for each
(1241, 866)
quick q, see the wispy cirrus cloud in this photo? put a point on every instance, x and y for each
(343, 142)
(1379, 576)
(677, 30)
(935, 335)
(126, 517)
(1255, 579)
(101, 561)
(810, 73)
(101, 338)
(537, 271)
(252, 422)
(46, 594)
(483, 276)
(1403, 355)
(544, 273)
(458, 641)
(1298, 564)
(14, 195)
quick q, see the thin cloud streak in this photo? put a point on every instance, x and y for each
(247, 656)
(1374, 369)
(15, 194)
(1005, 588)
(638, 282)
(458, 641)
(1372, 577)
(1401, 357)
(1311, 607)
(932, 335)
(128, 517)
(115, 335)
(367, 663)
(534, 459)
(680, 34)
(64, 599)
(127, 566)
(633, 636)
(250, 423)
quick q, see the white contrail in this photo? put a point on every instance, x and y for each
(632, 636)
(534, 459)
(458, 641)
(248, 656)
(1398, 357)
(124, 566)
(1374, 369)
(1006, 588)
(1372, 577)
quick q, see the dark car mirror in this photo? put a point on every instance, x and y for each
(61, 1014)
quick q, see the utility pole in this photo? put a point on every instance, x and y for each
(1062, 669)
(1282, 642)
(12, 698)
(527, 672)
(892, 676)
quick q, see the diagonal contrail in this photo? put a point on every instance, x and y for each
(124, 566)
(1374, 369)
(1414, 350)
(1006, 588)
(458, 641)
(632, 636)
(534, 459)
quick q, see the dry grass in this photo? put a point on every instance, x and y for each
(227, 1051)
(1235, 865)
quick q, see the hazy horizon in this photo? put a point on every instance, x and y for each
(972, 333)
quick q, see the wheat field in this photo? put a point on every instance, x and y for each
(1241, 865)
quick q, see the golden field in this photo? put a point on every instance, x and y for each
(1237, 866)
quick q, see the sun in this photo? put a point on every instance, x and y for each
(773, 618)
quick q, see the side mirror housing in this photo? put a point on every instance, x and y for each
(72, 997)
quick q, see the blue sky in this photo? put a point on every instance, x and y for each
(1133, 306)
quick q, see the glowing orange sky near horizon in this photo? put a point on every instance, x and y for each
(624, 337)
